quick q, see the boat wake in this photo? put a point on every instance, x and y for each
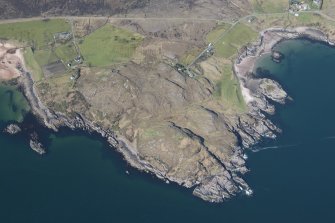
(329, 137)
(256, 150)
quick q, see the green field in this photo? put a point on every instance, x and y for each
(268, 6)
(37, 33)
(33, 66)
(217, 32)
(66, 52)
(190, 56)
(234, 39)
(44, 57)
(109, 45)
(228, 89)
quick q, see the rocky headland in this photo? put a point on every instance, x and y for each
(205, 151)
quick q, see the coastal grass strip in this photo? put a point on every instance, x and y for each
(33, 66)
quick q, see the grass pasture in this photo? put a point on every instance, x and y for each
(234, 39)
(190, 55)
(328, 7)
(38, 33)
(268, 6)
(109, 45)
(33, 66)
(228, 89)
(44, 57)
(66, 52)
(217, 32)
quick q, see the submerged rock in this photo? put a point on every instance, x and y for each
(277, 56)
(12, 129)
(36, 145)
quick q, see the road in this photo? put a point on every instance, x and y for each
(6, 21)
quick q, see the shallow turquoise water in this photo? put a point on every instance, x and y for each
(13, 105)
(82, 180)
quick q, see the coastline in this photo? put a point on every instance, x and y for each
(250, 130)
(268, 39)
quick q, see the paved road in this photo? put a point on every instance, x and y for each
(110, 18)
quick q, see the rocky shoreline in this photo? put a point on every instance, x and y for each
(248, 129)
(258, 92)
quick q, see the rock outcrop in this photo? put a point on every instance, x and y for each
(277, 56)
(12, 129)
(35, 144)
(272, 90)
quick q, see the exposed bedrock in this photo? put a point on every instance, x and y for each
(12, 129)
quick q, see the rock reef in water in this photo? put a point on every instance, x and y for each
(277, 56)
(36, 145)
(12, 129)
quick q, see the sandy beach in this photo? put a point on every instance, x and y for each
(10, 58)
(269, 38)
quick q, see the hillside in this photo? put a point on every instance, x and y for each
(157, 8)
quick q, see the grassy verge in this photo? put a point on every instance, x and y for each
(109, 45)
(33, 66)
(35, 33)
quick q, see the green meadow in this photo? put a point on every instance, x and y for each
(234, 39)
(228, 89)
(36, 33)
(109, 45)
